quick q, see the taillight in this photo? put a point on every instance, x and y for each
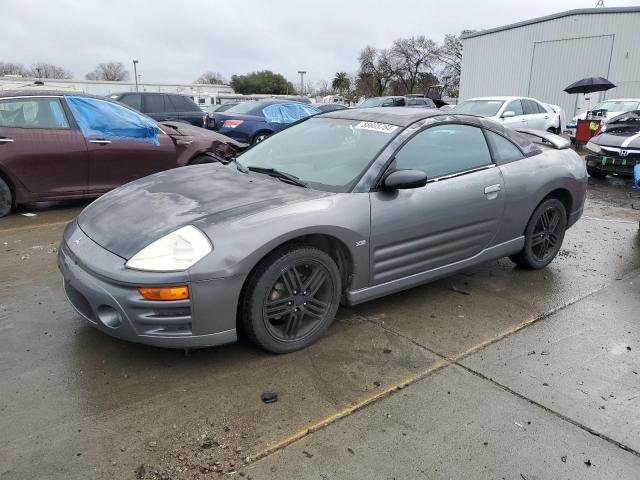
(231, 123)
(204, 121)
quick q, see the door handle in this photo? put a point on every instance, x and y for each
(100, 141)
(6, 140)
(184, 142)
(492, 189)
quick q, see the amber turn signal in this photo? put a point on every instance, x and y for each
(165, 293)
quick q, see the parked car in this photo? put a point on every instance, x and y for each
(397, 101)
(254, 121)
(343, 206)
(59, 145)
(329, 107)
(516, 112)
(164, 106)
(559, 124)
(606, 110)
(616, 149)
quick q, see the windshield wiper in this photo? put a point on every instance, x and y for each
(286, 177)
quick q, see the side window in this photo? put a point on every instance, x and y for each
(388, 102)
(443, 150)
(134, 101)
(399, 102)
(514, 106)
(530, 107)
(154, 104)
(504, 151)
(182, 104)
(540, 108)
(34, 112)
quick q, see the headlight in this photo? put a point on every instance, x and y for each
(174, 252)
(593, 147)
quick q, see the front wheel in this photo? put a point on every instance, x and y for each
(543, 236)
(6, 199)
(291, 299)
(595, 173)
(260, 137)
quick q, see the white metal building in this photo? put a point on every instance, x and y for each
(540, 57)
(203, 94)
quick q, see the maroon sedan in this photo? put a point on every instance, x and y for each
(62, 145)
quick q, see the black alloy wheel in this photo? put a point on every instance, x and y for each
(291, 298)
(543, 236)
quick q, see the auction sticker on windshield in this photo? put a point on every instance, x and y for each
(376, 127)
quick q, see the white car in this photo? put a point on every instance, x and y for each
(607, 109)
(520, 112)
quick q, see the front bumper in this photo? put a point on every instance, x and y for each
(612, 163)
(207, 318)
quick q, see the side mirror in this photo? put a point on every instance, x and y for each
(508, 114)
(404, 179)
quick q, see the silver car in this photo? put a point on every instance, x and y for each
(515, 112)
(346, 207)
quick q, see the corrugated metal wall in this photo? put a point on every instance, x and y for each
(538, 59)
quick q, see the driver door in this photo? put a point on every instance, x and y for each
(519, 120)
(454, 217)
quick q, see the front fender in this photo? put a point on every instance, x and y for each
(241, 243)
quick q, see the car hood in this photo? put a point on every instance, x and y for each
(132, 216)
(618, 139)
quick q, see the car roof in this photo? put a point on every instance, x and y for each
(400, 116)
(45, 93)
(502, 98)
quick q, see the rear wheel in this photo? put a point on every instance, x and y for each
(291, 299)
(595, 172)
(543, 236)
(6, 199)
(260, 137)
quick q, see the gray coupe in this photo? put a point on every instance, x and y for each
(344, 207)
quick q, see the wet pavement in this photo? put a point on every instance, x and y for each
(75, 403)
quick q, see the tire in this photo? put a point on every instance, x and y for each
(201, 159)
(543, 236)
(260, 137)
(6, 199)
(279, 318)
(595, 172)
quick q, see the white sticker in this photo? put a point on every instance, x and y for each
(377, 127)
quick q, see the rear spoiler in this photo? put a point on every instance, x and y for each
(543, 137)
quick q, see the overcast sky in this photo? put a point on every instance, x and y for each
(178, 40)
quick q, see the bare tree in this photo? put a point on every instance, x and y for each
(375, 71)
(110, 72)
(411, 57)
(48, 70)
(12, 69)
(211, 78)
(450, 56)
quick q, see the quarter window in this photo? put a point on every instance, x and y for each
(503, 150)
(33, 112)
(514, 106)
(444, 150)
(134, 101)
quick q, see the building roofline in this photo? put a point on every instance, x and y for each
(568, 13)
(17, 78)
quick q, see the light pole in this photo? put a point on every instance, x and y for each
(135, 72)
(301, 72)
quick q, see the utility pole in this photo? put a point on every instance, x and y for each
(135, 72)
(302, 73)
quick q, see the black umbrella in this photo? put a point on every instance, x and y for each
(590, 84)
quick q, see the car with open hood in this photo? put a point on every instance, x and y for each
(345, 206)
(57, 145)
(605, 111)
(616, 148)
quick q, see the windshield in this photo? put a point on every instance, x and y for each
(616, 106)
(485, 108)
(326, 153)
(372, 102)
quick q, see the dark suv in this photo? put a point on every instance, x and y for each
(164, 106)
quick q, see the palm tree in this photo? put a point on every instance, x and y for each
(340, 82)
